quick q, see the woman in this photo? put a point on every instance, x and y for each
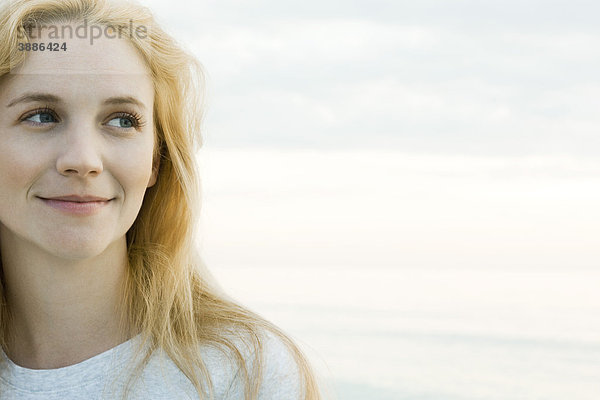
(103, 293)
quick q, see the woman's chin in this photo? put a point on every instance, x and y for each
(75, 248)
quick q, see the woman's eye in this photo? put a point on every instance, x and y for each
(41, 118)
(122, 122)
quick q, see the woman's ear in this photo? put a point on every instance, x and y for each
(155, 168)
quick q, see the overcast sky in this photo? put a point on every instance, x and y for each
(461, 77)
(421, 133)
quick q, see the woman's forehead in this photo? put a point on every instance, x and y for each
(75, 55)
(81, 72)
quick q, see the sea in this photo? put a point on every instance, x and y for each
(425, 334)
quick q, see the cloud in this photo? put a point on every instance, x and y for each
(463, 77)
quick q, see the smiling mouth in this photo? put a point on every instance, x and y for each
(76, 201)
(77, 208)
(73, 201)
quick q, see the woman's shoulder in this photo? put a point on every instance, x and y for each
(280, 374)
(279, 377)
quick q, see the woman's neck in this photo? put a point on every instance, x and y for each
(62, 311)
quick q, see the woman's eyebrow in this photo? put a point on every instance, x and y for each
(50, 98)
(31, 97)
(124, 100)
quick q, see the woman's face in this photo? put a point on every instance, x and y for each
(75, 122)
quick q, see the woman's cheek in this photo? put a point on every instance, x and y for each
(132, 167)
(19, 166)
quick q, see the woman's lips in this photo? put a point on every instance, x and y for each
(77, 208)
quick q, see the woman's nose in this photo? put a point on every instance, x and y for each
(81, 153)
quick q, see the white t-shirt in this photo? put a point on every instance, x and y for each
(103, 377)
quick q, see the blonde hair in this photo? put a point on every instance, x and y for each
(170, 297)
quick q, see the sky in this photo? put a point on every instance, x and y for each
(384, 209)
(428, 134)
(436, 77)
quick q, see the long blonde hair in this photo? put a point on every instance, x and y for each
(169, 296)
